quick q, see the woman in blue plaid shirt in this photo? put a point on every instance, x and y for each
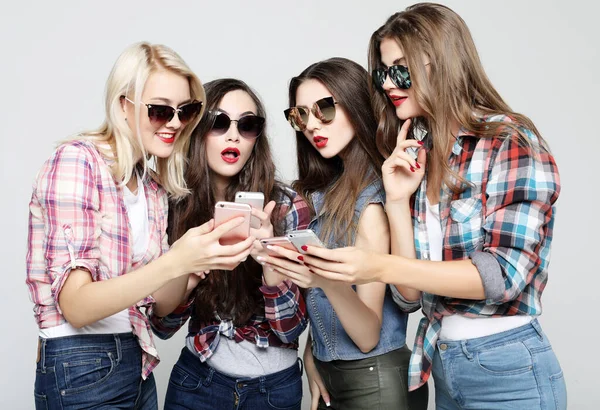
(470, 188)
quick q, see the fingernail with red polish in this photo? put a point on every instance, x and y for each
(412, 169)
(304, 248)
(418, 166)
(301, 258)
(420, 142)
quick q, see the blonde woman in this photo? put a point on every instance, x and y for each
(97, 261)
(471, 218)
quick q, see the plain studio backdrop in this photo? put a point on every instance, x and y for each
(542, 56)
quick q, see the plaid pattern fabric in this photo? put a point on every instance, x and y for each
(77, 220)
(285, 309)
(507, 210)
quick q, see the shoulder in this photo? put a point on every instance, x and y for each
(373, 193)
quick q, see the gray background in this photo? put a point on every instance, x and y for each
(541, 55)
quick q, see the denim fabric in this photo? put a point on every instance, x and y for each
(196, 385)
(92, 372)
(516, 369)
(374, 383)
(330, 340)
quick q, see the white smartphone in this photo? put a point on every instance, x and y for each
(282, 241)
(226, 211)
(255, 200)
(304, 237)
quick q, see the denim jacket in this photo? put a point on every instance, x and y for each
(330, 340)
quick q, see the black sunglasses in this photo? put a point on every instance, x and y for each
(162, 114)
(250, 126)
(398, 74)
(323, 110)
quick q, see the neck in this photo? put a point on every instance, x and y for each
(221, 184)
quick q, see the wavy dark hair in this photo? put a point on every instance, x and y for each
(348, 83)
(230, 294)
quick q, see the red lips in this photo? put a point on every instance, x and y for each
(231, 155)
(397, 100)
(320, 141)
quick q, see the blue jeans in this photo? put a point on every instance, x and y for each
(92, 372)
(516, 369)
(196, 385)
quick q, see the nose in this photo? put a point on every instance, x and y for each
(313, 122)
(232, 133)
(388, 84)
(174, 124)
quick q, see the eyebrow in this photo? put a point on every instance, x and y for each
(169, 102)
(241, 115)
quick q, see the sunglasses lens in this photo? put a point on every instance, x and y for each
(297, 117)
(400, 76)
(250, 126)
(378, 77)
(189, 112)
(160, 114)
(221, 124)
(325, 111)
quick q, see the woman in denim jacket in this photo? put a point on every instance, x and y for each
(359, 357)
(480, 198)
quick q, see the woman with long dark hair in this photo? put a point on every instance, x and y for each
(241, 348)
(357, 357)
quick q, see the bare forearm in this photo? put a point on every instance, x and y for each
(402, 239)
(84, 302)
(360, 322)
(169, 296)
(456, 279)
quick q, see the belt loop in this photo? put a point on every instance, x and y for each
(208, 380)
(463, 344)
(262, 383)
(301, 366)
(118, 347)
(43, 354)
(538, 328)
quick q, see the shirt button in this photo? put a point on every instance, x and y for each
(443, 346)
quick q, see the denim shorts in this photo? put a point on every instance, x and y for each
(515, 369)
(196, 385)
(99, 371)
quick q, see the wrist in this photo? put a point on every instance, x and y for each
(171, 264)
(399, 203)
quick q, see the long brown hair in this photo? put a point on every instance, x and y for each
(348, 83)
(456, 88)
(236, 293)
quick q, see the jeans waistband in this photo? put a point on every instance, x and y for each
(532, 329)
(209, 374)
(71, 344)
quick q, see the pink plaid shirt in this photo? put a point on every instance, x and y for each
(78, 220)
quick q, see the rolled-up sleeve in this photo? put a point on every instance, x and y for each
(522, 187)
(67, 193)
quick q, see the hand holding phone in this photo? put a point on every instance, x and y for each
(226, 211)
(304, 237)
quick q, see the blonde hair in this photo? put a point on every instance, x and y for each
(456, 87)
(115, 140)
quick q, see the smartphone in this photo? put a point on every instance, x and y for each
(255, 200)
(282, 241)
(226, 211)
(304, 237)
